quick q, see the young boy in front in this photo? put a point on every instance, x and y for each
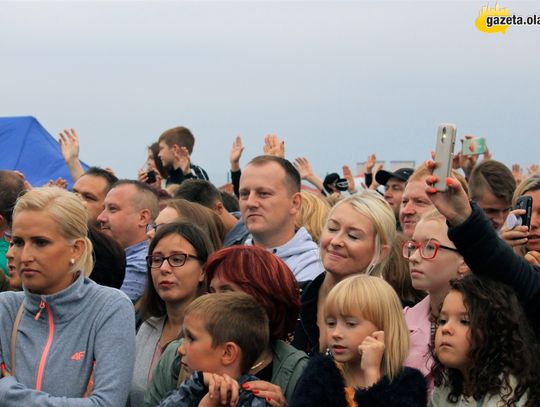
(224, 335)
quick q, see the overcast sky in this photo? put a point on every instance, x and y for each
(336, 80)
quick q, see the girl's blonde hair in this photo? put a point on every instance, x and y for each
(69, 214)
(376, 301)
(313, 214)
(373, 206)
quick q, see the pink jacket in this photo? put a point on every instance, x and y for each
(419, 324)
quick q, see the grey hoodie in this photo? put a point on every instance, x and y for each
(301, 254)
(59, 340)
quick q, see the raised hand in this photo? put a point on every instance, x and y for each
(303, 166)
(273, 146)
(69, 144)
(370, 163)
(236, 152)
(517, 172)
(306, 172)
(374, 184)
(372, 351)
(533, 169)
(452, 203)
(268, 391)
(59, 182)
(347, 174)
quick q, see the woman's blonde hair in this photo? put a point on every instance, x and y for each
(69, 214)
(375, 300)
(313, 214)
(529, 184)
(373, 206)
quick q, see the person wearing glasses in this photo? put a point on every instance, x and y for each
(433, 262)
(177, 255)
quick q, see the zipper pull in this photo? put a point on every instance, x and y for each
(41, 306)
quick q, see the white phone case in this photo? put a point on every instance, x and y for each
(446, 138)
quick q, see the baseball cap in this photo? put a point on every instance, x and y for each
(402, 174)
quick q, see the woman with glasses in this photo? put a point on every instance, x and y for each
(433, 262)
(176, 257)
(357, 238)
(280, 366)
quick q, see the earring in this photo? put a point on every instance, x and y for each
(72, 262)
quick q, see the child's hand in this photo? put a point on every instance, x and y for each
(222, 390)
(372, 351)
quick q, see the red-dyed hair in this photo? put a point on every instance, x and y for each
(265, 277)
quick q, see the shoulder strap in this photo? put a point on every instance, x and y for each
(16, 324)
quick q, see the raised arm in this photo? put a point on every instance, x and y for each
(484, 252)
(69, 145)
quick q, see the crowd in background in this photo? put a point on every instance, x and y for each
(280, 288)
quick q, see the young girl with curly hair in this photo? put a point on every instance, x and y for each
(485, 352)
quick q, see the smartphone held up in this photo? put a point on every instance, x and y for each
(446, 138)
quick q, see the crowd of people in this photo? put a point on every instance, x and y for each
(281, 288)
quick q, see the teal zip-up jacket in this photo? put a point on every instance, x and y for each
(61, 339)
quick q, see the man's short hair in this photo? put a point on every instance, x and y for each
(234, 317)
(199, 191)
(178, 135)
(230, 202)
(145, 197)
(108, 176)
(495, 177)
(11, 187)
(292, 176)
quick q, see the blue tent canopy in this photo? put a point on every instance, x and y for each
(27, 147)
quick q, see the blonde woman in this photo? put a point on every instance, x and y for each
(64, 341)
(357, 239)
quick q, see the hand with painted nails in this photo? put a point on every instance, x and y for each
(268, 391)
(222, 390)
(453, 203)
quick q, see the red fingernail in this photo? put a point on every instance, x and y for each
(255, 391)
(269, 399)
(433, 190)
(449, 181)
(3, 366)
